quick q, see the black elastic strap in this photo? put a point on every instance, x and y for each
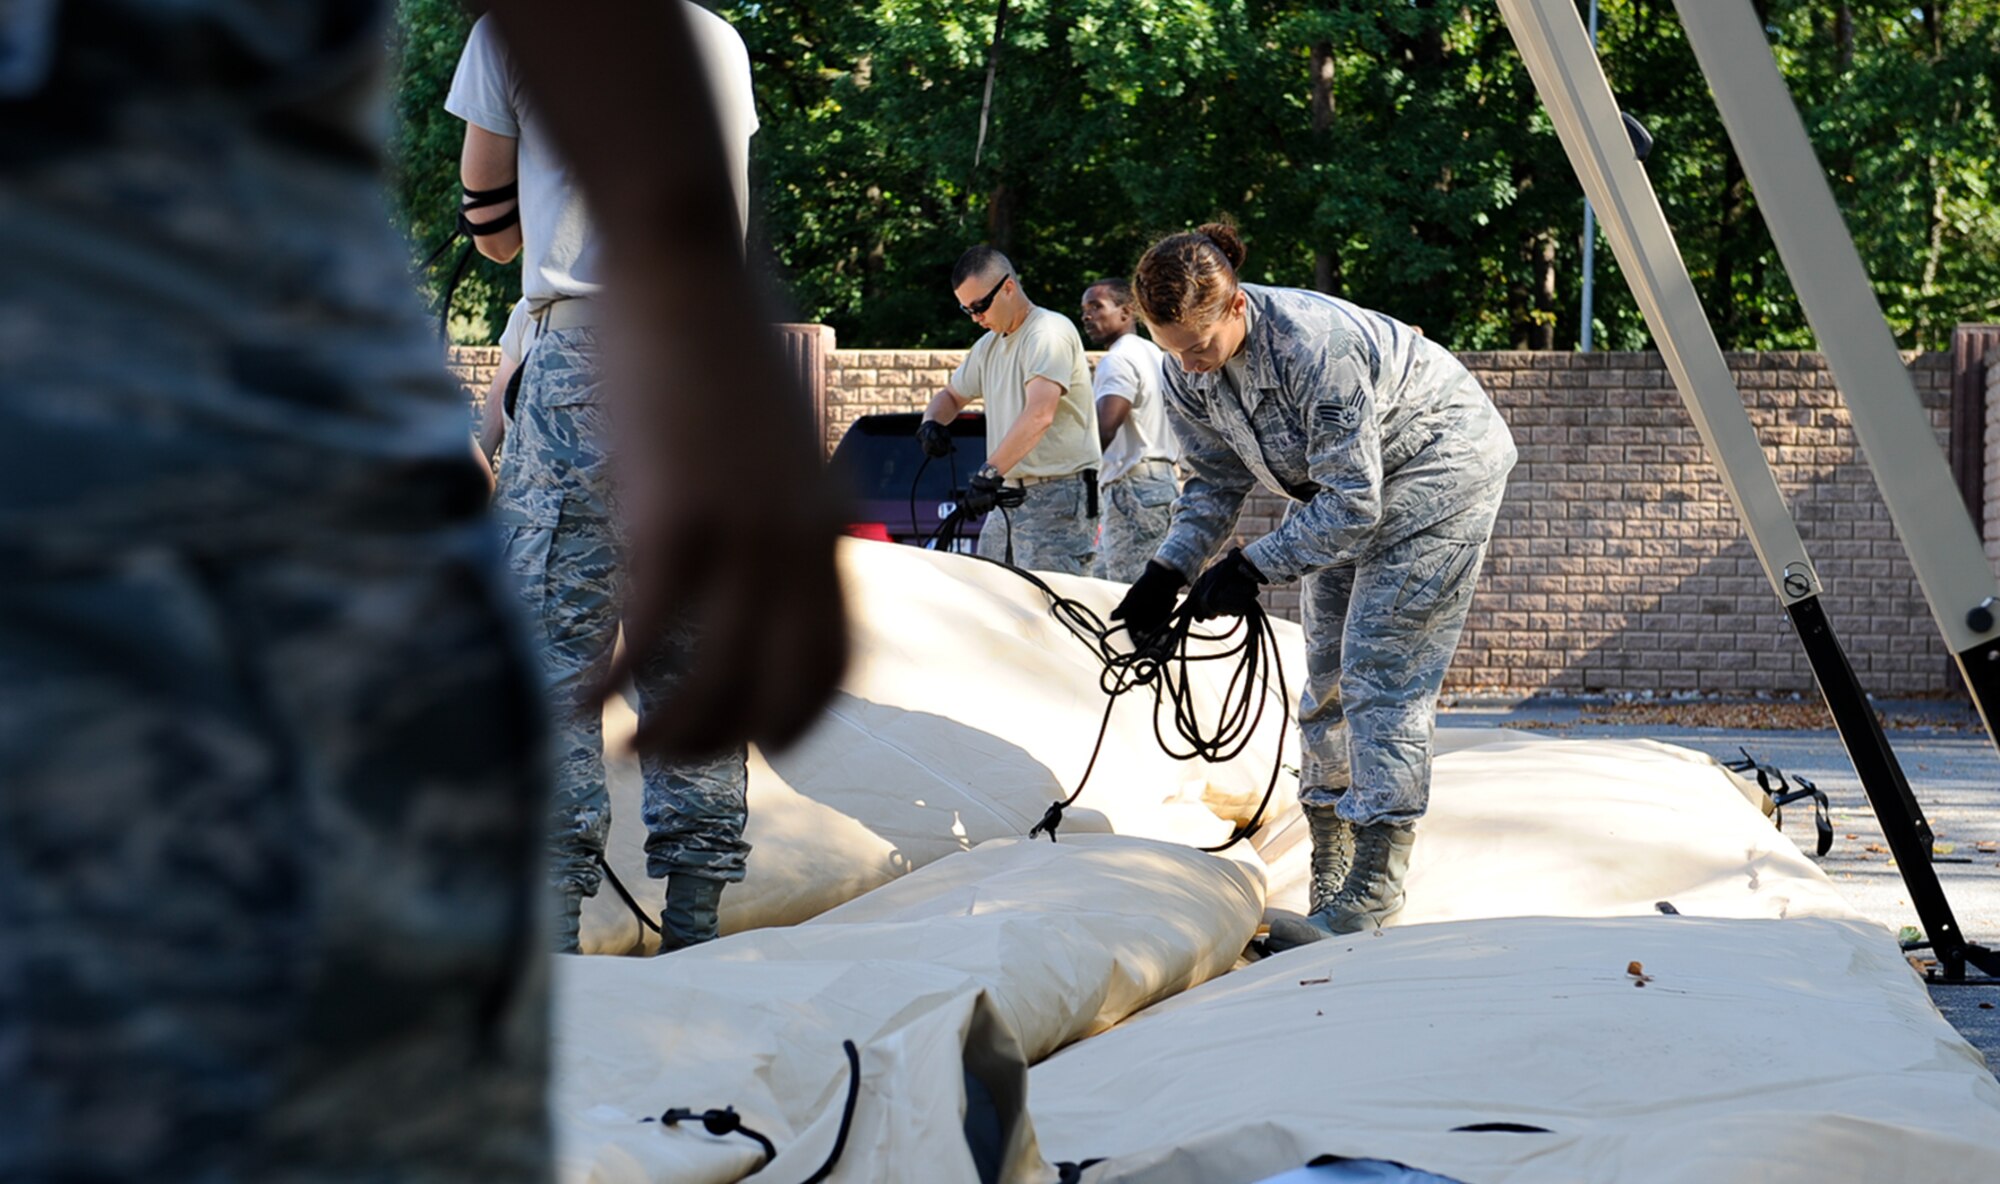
(478, 199)
(1778, 788)
(506, 221)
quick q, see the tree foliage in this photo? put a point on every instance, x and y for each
(1392, 152)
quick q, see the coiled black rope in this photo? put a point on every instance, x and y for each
(726, 1121)
(1163, 663)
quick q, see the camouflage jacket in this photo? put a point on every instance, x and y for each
(1375, 431)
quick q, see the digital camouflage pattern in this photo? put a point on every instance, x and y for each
(1375, 430)
(269, 838)
(1051, 531)
(1395, 461)
(556, 512)
(1380, 633)
(1137, 509)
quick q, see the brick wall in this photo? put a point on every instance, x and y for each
(473, 366)
(1618, 564)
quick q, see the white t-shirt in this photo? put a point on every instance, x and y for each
(559, 250)
(514, 338)
(1130, 369)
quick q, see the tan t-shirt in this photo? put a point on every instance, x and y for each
(998, 369)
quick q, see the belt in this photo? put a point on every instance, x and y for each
(565, 312)
(1025, 482)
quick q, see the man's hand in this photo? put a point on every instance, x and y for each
(743, 559)
(934, 438)
(1227, 589)
(1149, 605)
(982, 493)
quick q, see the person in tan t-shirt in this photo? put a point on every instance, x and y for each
(1041, 430)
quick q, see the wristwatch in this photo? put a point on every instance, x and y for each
(990, 473)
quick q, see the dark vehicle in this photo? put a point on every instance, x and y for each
(879, 459)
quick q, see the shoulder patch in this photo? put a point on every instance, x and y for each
(1338, 416)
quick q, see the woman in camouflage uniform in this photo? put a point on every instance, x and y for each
(1394, 460)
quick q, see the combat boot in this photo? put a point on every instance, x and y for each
(1373, 892)
(692, 913)
(1332, 860)
(1333, 852)
(1369, 894)
(569, 921)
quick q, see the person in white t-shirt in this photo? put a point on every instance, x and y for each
(1139, 449)
(555, 501)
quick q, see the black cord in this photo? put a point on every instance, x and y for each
(721, 1123)
(618, 886)
(846, 1114)
(727, 1121)
(1163, 662)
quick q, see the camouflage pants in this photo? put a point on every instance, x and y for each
(554, 504)
(268, 902)
(1051, 531)
(1138, 507)
(1379, 635)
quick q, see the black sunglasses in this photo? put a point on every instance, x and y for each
(984, 302)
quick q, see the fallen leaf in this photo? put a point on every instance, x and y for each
(1989, 845)
(1943, 848)
(1877, 848)
(1638, 972)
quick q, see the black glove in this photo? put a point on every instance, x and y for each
(934, 438)
(1149, 605)
(1227, 589)
(982, 493)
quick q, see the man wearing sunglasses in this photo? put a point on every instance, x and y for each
(1041, 431)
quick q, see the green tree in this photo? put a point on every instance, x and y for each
(1395, 153)
(424, 141)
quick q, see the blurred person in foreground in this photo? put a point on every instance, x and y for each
(556, 500)
(269, 868)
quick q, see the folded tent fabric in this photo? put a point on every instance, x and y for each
(967, 710)
(951, 982)
(1649, 1050)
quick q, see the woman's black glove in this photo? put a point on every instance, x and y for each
(934, 438)
(1149, 605)
(982, 493)
(1227, 589)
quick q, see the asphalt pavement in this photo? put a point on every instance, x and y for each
(1953, 771)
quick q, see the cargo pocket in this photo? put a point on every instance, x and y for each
(1442, 577)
